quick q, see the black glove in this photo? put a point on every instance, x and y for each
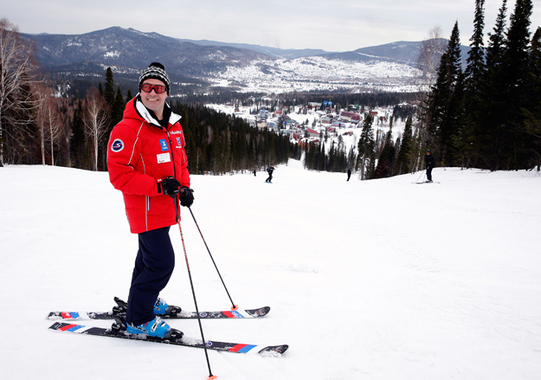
(186, 196)
(169, 186)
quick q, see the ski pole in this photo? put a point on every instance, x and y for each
(234, 306)
(211, 376)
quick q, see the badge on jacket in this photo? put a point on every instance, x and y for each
(117, 145)
(164, 157)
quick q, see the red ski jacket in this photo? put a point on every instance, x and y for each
(140, 152)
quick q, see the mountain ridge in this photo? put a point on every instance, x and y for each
(202, 65)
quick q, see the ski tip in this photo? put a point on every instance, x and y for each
(261, 312)
(63, 315)
(56, 326)
(63, 326)
(274, 351)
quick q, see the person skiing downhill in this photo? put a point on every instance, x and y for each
(147, 161)
(430, 162)
(270, 170)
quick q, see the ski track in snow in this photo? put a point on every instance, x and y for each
(378, 279)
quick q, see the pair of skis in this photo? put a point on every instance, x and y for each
(65, 324)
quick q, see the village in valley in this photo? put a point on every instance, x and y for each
(316, 122)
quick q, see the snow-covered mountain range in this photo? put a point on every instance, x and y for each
(202, 65)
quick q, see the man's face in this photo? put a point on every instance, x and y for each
(152, 100)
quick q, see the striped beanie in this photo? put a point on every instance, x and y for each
(155, 71)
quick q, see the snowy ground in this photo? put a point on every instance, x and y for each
(378, 280)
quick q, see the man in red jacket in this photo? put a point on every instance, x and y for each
(147, 161)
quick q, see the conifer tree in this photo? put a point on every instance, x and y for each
(78, 139)
(387, 158)
(445, 102)
(517, 74)
(488, 130)
(474, 75)
(351, 159)
(476, 57)
(532, 110)
(117, 109)
(366, 149)
(403, 159)
(109, 87)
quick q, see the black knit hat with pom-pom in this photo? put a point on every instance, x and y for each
(155, 71)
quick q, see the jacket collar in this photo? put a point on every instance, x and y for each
(146, 115)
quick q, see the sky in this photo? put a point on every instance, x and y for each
(342, 25)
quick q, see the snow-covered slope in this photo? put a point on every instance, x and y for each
(379, 279)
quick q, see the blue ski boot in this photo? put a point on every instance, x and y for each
(156, 328)
(164, 310)
(160, 307)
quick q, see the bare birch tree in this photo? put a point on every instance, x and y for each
(428, 62)
(48, 120)
(96, 117)
(430, 54)
(15, 72)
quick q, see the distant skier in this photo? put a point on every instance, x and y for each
(430, 163)
(270, 169)
(349, 173)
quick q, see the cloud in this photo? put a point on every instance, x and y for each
(332, 26)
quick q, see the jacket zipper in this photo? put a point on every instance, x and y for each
(172, 154)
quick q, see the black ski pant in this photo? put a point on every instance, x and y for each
(269, 179)
(154, 265)
(429, 173)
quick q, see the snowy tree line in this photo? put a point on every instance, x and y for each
(488, 116)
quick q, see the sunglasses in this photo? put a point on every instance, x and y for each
(159, 89)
